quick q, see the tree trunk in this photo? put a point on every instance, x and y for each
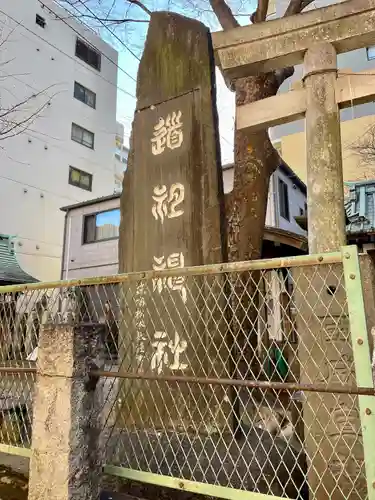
(255, 161)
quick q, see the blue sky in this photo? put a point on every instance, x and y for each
(225, 101)
(132, 36)
(111, 217)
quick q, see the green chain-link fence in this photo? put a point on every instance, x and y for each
(232, 380)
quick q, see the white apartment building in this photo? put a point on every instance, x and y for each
(65, 155)
(92, 227)
(120, 157)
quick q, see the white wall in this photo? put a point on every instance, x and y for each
(101, 258)
(90, 259)
(297, 200)
(122, 155)
(34, 166)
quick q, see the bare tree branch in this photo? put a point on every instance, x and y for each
(4, 40)
(116, 23)
(11, 128)
(16, 107)
(17, 114)
(283, 74)
(141, 5)
(110, 22)
(228, 21)
(11, 124)
(260, 14)
(365, 147)
(224, 14)
(296, 7)
(109, 12)
(102, 20)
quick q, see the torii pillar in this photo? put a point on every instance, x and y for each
(332, 424)
(325, 185)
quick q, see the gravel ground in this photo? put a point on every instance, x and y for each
(244, 465)
(14, 472)
(13, 485)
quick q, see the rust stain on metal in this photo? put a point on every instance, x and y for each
(276, 386)
(210, 269)
(19, 370)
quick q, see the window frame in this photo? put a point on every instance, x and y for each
(95, 214)
(369, 58)
(72, 183)
(283, 197)
(40, 21)
(89, 48)
(86, 91)
(83, 129)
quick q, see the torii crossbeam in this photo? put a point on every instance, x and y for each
(314, 38)
(262, 47)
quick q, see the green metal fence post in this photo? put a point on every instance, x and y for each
(362, 359)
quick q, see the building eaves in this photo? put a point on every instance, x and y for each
(87, 203)
(286, 170)
(10, 270)
(228, 166)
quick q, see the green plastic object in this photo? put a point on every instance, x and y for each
(275, 361)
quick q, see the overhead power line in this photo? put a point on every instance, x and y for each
(76, 60)
(107, 28)
(86, 40)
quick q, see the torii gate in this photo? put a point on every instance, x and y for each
(314, 38)
(272, 45)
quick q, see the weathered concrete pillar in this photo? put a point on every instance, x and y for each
(66, 457)
(325, 188)
(332, 426)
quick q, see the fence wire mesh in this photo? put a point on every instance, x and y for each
(244, 379)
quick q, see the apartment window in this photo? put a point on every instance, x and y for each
(83, 136)
(80, 179)
(40, 21)
(88, 54)
(101, 226)
(370, 52)
(283, 200)
(84, 95)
